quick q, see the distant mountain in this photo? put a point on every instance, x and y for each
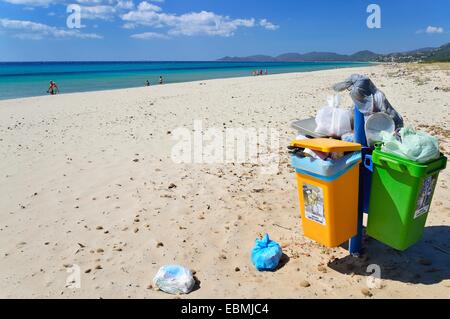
(440, 54)
(364, 56)
(289, 57)
(424, 54)
(253, 58)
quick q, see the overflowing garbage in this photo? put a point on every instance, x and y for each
(382, 123)
(332, 120)
(368, 98)
(410, 144)
(266, 254)
(375, 125)
(364, 161)
(174, 279)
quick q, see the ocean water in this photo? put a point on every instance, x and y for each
(32, 78)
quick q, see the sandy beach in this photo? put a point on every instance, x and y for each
(87, 179)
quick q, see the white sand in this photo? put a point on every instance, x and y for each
(67, 170)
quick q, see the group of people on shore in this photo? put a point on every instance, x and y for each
(260, 72)
(161, 81)
(54, 89)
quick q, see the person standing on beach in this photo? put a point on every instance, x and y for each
(53, 88)
(147, 83)
(161, 81)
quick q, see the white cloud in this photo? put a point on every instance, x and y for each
(431, 29)
(268, 25)
(101, 12)
(34, 3)
(189, 24)
(149, 35)
(125, 4)
(33, 30)
(145, 6)
(128, 26)
(90, 2)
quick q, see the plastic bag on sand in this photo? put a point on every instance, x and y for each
(266, 254)
(174, 280)
(332, 120)
(416, 146)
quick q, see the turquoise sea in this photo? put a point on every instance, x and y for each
(23, 79)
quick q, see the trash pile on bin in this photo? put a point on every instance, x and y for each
(365, 162)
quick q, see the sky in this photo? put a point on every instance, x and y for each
(201, 30)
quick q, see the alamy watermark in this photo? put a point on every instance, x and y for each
(374, 279)
(374, 19)
(73, 280)
(225, 146)
(73, 20)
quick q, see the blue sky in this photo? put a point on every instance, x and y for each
(36, 30)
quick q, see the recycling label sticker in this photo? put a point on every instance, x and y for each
(425, 196)
(313, 197)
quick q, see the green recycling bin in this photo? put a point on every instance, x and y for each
(402, 191)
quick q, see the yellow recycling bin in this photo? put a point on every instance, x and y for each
(328, 190)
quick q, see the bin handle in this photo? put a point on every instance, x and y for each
(388, 160)
(368, 162)
(434, 171)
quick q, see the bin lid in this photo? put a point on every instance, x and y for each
(327, 145)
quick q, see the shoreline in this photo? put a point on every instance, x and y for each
(366, 64)
(183, 82)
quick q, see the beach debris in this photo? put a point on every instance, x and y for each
(81, 245)
(99, 227)
(366, 292)
(287, 228)
(136, 160)
(174, 279)
(172, 185)
(159, 244)
(266, 254)
(237, 269)
(322, 268)
(305, 284)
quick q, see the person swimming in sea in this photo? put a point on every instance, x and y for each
(53, 88)
(161, 81)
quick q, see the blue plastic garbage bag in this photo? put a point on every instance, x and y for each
(266, 254)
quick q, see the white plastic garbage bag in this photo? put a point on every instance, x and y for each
(174, 280)
(416, 146)
(332, 120)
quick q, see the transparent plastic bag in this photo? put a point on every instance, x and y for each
(174, 280)
(416, 146)
(332, 120)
